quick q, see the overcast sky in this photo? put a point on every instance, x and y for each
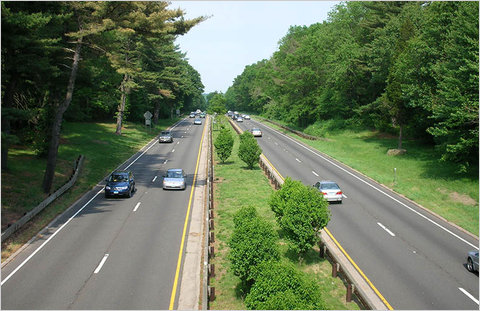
(240, 33)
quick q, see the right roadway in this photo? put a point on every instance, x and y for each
(415, 259)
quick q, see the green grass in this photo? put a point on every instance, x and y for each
(103, 151)
(420, 175)
(236, 186)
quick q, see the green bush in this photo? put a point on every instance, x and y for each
(224, 144)
(249, 151)
(253, 241)
(301, 213)
(280, 286)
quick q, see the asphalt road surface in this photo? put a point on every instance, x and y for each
(115, 253)
(414, 259)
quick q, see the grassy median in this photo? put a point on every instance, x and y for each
(235, 186)
(103, 151)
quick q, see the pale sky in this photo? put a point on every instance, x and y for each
(240, 33)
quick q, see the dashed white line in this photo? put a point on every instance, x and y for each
(155, 178)
(298, 160)
(386, 229)
(314, 173)
(165, 162)
(469, 295)
(136, 206)
(343, 195)
(101, 264)
(178, 142)
(173, 150)
(276, 143)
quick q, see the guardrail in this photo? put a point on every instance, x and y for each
(22, 221)
(342, 265)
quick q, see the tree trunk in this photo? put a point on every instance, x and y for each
(156, 113)
(7, 103)
(57, 124)
(400, 137)
(121, 106)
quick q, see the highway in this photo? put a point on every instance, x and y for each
(115, 253)
(414, 259)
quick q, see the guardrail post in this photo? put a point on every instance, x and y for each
(350, 289)
(212, 224)
(211, 270)
(211, 293)
(212, 237)
(335, 268)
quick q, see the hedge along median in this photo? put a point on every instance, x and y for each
(236, 187)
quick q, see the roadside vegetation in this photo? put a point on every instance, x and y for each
(103, 151)
(420, 174)
(242, 209)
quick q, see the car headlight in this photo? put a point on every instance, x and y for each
(107, 187)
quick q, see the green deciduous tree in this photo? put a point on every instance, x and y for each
(249, 151)
(224, 144)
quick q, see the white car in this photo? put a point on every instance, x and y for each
(256, 132)
(331, 191)
(247, 117)
(174, 179)
(239, 119)
(197, 121)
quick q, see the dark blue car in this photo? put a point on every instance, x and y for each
(120, 183)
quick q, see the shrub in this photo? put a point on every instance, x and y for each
(301, 213)
(280, 286)
(253, 241)
(224, 144)
(249, 150)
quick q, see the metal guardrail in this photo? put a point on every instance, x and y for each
(342, 265)
(22, 221)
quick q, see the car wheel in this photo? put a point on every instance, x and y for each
(470, 265)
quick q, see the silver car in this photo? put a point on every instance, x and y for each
(256, 132)
(239, 119)
(197, 121)
(174, 179)
(472, 261)
(331, 191)
(165, 137)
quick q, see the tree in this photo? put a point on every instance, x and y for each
(224, 144)
(249, 151)
(216, 104)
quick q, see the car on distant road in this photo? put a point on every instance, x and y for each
(330, 190)
(239, 119)
(197, 121)
(174, 179)
(247, 117)
(256, 132)
(472, 261)
(192, 115)
(120, 183)
(165, 137)
(202, 115)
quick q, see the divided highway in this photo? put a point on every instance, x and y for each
(414, 259)
(118, 253)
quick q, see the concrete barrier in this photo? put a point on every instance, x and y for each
(22, 221)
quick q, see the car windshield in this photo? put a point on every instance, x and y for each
(255, 130)
(329, 186)
(119, 177)
(165, 133)
(174, 174)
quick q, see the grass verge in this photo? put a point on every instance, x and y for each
(103, 151)
(420, 175)
(234, 187)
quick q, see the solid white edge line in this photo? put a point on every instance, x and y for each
(101, 264)
(48, 240)
(384, 193)
(469, 295)
(136, 206)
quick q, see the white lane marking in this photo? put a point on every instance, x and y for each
(178, 142)
(469, 295)
(155, 178)
(276, 143)
(165, 162)
(343, 195)
(48, 240)
(101, 264)
(314, 173)
(381, 191)
(136, 206)
(173, 150)
(386, 229)
(182, 136)
(298, 160)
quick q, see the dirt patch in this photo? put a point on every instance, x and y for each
(462, 198)
(9, 217)
(101, 142)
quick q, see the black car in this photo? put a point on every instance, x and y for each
(120, 183)
(165, 137)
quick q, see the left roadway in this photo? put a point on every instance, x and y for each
(116, 253)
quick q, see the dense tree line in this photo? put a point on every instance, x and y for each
(410, 68)
(90, 61)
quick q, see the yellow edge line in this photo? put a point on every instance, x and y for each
(180, 253)
(345, 253)
(359, 270)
